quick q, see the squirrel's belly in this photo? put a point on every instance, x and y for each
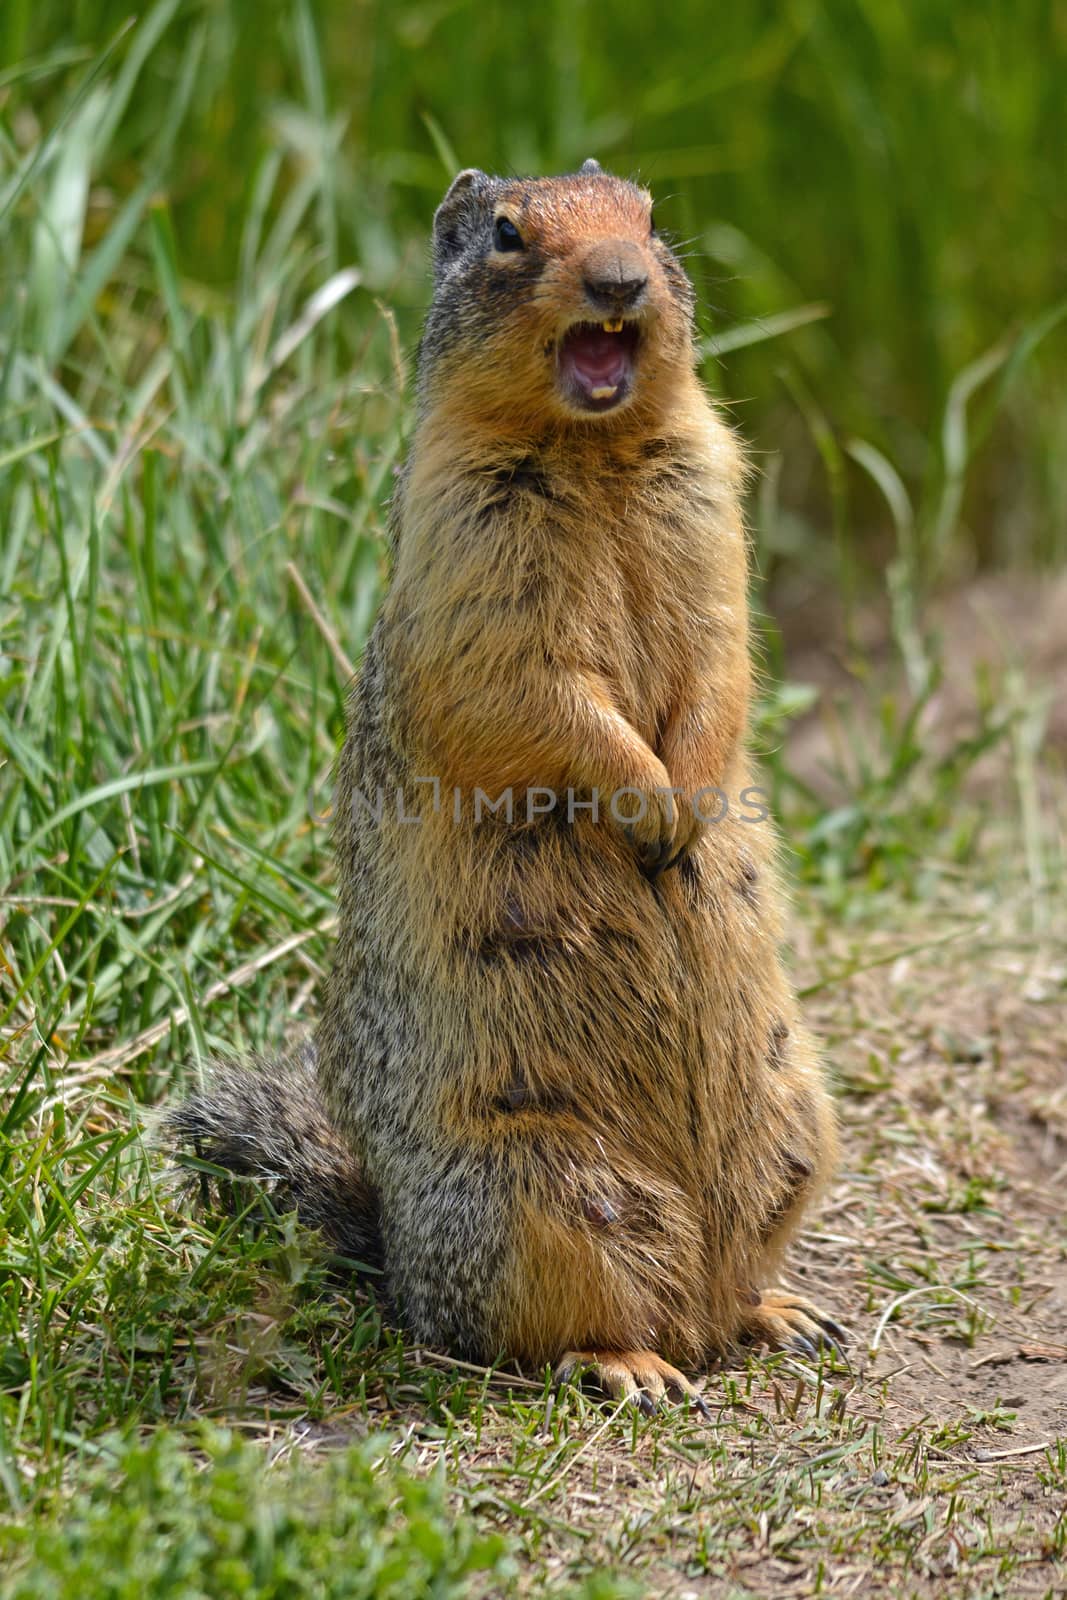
(539, 971)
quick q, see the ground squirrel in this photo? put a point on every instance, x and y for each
(560, 1091)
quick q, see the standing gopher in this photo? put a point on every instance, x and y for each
(560, 1091)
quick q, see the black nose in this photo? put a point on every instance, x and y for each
(615, 290)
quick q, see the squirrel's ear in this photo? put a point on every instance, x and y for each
(589, 168)
(469, 178)
(448, 231)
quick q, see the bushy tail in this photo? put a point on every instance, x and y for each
(269, 1123)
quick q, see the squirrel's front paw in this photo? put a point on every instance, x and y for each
(649, 820)
(687, 831)
(675, 837)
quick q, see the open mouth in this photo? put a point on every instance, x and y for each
(596, 363)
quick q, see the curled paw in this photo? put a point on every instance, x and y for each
(648, 818)
(786, 1322)
(639, 1376)
(687, 831)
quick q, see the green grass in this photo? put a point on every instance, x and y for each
(881, 180)
(200, 412)
(157, 1519)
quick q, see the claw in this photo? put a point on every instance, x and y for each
(665, 866)
(803, 1346)
(565, 1372)
(647, 851)
(835, 1333)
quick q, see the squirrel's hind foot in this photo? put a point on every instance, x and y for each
(639, 1376)
(786, 1322)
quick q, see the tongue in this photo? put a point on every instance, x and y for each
(599, 359)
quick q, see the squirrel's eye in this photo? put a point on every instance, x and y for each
(505, 235)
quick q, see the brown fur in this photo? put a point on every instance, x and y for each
(580, 1091)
